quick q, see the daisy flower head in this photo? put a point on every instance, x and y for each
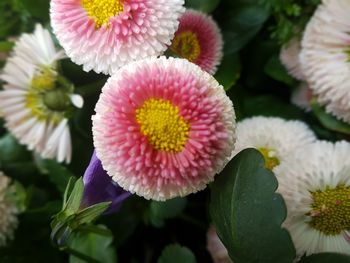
(275, 138)
(8, 211)
(163, 128)
(325, 56)
(216, 248)
(302, 96)
(199, 40)
(36, 100)
(103, 35)
(315, 184)
(289, 56)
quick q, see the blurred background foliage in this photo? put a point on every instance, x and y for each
(255, 80)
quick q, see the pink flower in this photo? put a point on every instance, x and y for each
(163, 128)
(104, 35)
(199, 40)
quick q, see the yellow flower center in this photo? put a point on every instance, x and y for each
(271, 161)
(186, 45)
(102, 10)
(45, 100)
(331, 210)
(161, 123)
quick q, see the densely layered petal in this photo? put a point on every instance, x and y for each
(136, 29)
(325, 56)
(163, 128)
(315, 184)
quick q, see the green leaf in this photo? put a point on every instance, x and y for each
(98, 247)
(160, 211)
(206, 6)
(6, 46)
(248, 213)
(326, 258)
(90, 213)
(68, 190)
(75, 198)
(58, 174)
(242, 22)
(18, 196)
(11, 151)
(277, 71)
(176, 254)
(229, 71)
(38, 9)
(329, 121)
(268, 105)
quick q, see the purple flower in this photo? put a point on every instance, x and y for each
(99, 187)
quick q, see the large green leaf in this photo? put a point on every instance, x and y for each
(207, 6)
(328, 120)
(38, 9)
(176, 254)
(243, 20)
(95, 246)
(248, 213)
(160, 211)
(57, 173)
(277, 71)
(268, 105)
(326, 258)
(11, 151)
(229, 70)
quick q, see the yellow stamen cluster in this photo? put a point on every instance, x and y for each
(42, 84)
(186, 45)
(44, 80)
(102, 10)
(331, 210)
(348, 53)
(271, 161)
(161, 123)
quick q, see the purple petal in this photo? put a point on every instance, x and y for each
(99, 187)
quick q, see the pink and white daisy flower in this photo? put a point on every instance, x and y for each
(103, 35)
(302, 96)
(289, 56)
(325, 56)
(163, 128)
(199, 40)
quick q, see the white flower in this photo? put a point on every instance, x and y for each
(274, 137)
(36, 99)
(216, 248)
(289, 57)
(325, 56)
(315, 184)
(8, 211)
(103, 35)
(302, 96)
